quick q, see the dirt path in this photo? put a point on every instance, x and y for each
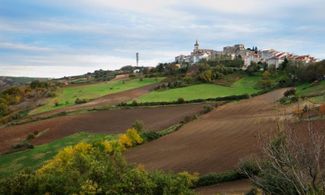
(216, 141)
(110, 99)
(109, 121)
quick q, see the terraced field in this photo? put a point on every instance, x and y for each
(107, 121)
(246, 85)
(216, 141)
(67, 95)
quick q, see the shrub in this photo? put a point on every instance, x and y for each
(125, 140)
(207, 109)
(180, 100)
(214, 178)
(23, 145)
(188, 119)
(80, 101)
(56, 103)
(30, 136)
(149, 136)
(134, 136)
(134, 103)
(92, 169)
(4, 109)
(138, 125)
(290, 92)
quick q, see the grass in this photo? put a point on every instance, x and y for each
(66, 96)
(34, 158)
(245, 85)
(317, 91)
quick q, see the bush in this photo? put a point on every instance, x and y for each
(4, 109)
(138, 125)
(290, 92)
(207, 109)
(23, 145)
(180, 100)
(188, 119)
(214, 178)
(93, 169)
(149, 136)
(30, 136)
(134, 103)
(80, 101)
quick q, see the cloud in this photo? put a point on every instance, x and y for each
(82, 34)
(21, 46)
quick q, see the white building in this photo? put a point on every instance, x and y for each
(251, 57)
(196, 55)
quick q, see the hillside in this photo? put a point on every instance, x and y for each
(6, 82)
(246, 85)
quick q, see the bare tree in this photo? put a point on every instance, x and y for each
(293, 163)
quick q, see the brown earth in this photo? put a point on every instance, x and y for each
(216, 141)
(110, 99)
(108, 121)
(239, 187)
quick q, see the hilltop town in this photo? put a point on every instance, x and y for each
(249, 55)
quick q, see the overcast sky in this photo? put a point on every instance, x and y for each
(54, 38)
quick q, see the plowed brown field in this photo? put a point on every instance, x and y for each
(216, 141)
(109, 121)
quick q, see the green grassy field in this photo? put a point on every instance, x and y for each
(316, 90)
(11, 163)
(66, 96)
(245, 85)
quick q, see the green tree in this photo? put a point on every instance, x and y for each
(4, 109)
(206, 76)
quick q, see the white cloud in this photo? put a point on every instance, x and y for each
(21, 46)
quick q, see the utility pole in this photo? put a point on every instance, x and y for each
(137, 58)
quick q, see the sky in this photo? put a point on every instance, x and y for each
(55, 38)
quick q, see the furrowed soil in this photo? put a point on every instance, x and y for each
(216, 141)
(108, 121)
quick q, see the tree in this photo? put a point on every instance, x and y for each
(138, 125)
(284, 64)
(4, 109)
(266, 81)
(291, 164)
(97, 168)
(254, 67)
(206, 76)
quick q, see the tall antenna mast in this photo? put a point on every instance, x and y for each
(137, 58)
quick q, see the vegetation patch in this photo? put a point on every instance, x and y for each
(246, 85)
(215, 178)
(68, 96)
(314, 91)
(97, 168)
(39, 154)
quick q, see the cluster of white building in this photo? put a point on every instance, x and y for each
(270, 56)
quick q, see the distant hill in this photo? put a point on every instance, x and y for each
(6, 82)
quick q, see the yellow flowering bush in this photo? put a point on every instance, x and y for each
(65, 157)
(125, 140)
(89, 187)
(108, 148)
(134, 136)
